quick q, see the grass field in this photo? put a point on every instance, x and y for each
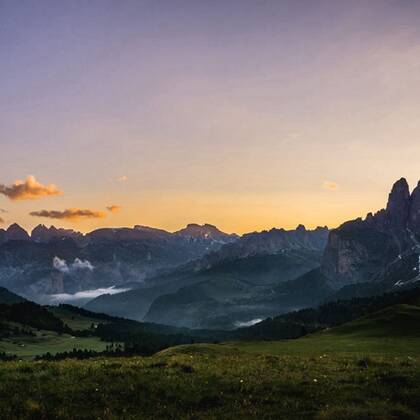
(27, 347)
(394, 331)
(213, 382)
(75, 321)
(367, 369)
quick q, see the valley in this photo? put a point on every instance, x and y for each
(267, 325)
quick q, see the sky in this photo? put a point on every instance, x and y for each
(244, 114)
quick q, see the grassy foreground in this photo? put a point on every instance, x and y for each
(365, 369)
(213, 382)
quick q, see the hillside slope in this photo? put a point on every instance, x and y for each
(393, 330)
(7, 297)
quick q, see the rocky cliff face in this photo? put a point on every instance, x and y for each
(398, 207)
(414, 213)
(274, 241)
(365, 250)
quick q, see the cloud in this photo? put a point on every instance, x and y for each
(114, 208)
(82, 265)
(250, 323)
(30, 189)
(1, 221)
(123, 178)
(330, 185)
(69, 214)
(3, 211)
(78, 264)
(60, 265)
(86, 294)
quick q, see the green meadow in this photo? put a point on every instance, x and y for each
(28, 347)
(213, 382)
(394, 331)
(366, 369)
(74, 320)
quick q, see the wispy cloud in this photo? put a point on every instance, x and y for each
(3, 211)
(250, 323)
(114, 208)
(86, 294)
(30, 189)
(69, 214)
(123, 178)
(330, 185)
(1, 221)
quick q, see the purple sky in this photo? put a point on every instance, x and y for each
(245, 114)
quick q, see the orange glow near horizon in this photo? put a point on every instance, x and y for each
(237, 213)
(246, 115)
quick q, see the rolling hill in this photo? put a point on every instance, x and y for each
(369, 368)
(394, 330)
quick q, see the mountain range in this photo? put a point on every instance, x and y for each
(201, 277)
(269, 273)
(224, 288)
(54, 264)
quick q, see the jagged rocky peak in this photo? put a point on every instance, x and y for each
(301, 228)
(322, 229)
(398, 206)
(414, 215)
(362, 250)
(206, 231)
(16, 233)
(270, 242)
(43, 234)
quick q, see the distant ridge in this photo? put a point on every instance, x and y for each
(55, 263)
(43, 234)
(204, 232)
